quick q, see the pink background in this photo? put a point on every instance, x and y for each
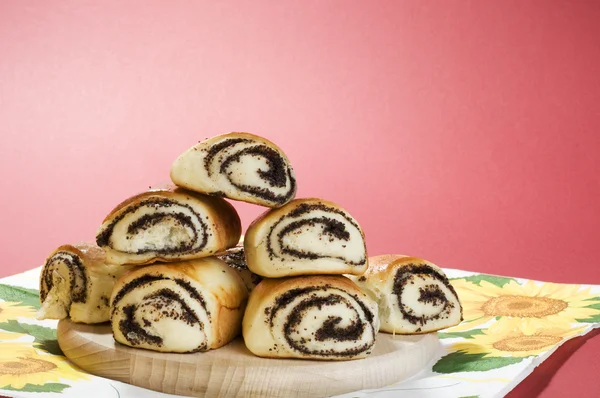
(462, 132)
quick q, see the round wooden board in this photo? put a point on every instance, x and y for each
(232, 371)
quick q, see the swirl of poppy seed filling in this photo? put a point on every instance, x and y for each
(77, 276)
(195, 244)
(330, 332)
(277, 175)
(334, 229)
(160, 303)
(429, 294)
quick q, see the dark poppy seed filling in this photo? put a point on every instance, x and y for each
(215, 149)
(160, 305)
(162, 300)
(195, 244)
(277, 175)
(147, 279)
(429, 294)
(133, 332)
(266, 194)
(332, 229)
(192, 292)
(235, 258)
(149, 220)
(157, 305)
(330, 331)
(76, 274)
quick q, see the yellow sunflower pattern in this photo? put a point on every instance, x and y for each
(506, 321)
(22, 365)
(7, 336)
(535, 305)
(30, 360)
(502, 340)
(9, 311)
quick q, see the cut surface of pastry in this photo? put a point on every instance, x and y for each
(169, 224)
(76, 282)
(304, 237)
(189, 306)
(414, 295)
(310, 317)
(239, 166)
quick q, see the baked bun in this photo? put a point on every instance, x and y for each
(310, 317)
(76, 282)
(305, 237)
(414, 295)
(239, 166)
(189, 306)
(169, 224)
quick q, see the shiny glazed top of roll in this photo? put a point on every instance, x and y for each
(305, 237)
(414, 295)
(239, 166)
(168, 224)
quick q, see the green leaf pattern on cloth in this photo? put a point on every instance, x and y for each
(48, 387)
(45, 338)
(30, 366)
(493, 279)
(465, 335)
(461, 362)
(594, 318)
(508, 323)
(24, 296)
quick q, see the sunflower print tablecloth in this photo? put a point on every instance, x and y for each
(510, 326)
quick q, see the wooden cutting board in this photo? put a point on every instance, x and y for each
(232, 371)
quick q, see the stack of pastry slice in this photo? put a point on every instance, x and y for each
(170, 273)
(305, 307)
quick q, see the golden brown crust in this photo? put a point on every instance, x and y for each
(269, 288)
(379, 282)
(248, 136)
(61, 284)
(133, 199)
(383, 266)
(380, 262)
(278, 212)
(92, 256)
(187, 172)
(223, 291)
(202, 270)
(225, 225)
(168, 191)
(266, 337)
(258, 232)
(89, 252)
